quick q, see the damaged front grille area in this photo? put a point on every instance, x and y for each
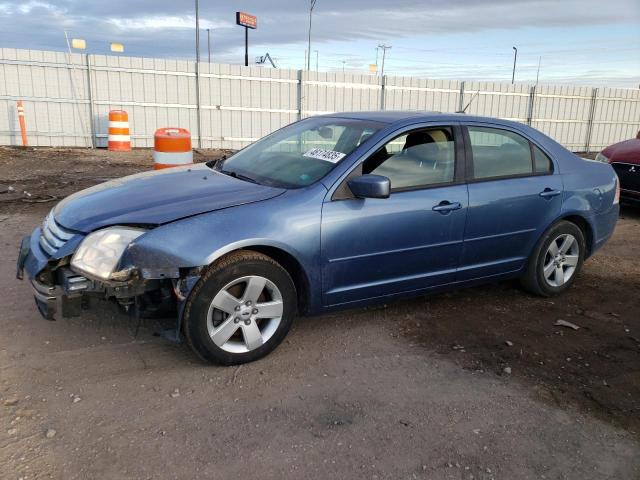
(53, 235)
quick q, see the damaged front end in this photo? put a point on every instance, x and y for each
(67, 268)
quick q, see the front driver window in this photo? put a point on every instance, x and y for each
(416, 159)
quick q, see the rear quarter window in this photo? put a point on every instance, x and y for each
(542, 162)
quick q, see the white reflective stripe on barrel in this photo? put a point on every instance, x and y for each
(116, 124)
(119, 138)
(173, 158)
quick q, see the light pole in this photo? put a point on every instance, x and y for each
(384, 54)
(515, 57)
(209, 44)
(343, 62)
(312, 4)
(316, 59)
(538, 72)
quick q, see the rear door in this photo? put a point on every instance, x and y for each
(514, 195)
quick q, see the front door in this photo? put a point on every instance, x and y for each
(407, 242)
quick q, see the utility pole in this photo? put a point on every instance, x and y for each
(384, 49)
(538, 72)
(209, 43)
(343, 62)
(312, 4)
(515, 57)
(316, 59)
(197, 33)
(198, 115)
(377, 50)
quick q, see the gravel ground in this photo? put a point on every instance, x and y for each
(476, 383)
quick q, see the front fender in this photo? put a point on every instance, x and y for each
(290, 222)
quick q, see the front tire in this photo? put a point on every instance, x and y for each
(240, 310)
(556, 261)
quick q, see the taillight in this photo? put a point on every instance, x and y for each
(616, 198)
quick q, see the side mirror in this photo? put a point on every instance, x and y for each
(326, 132)
(370, 186)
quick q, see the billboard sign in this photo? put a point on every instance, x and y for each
(246, 20)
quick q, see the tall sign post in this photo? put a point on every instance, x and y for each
(247, 21)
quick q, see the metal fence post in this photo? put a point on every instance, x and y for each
(461, 99)
(198, 118)
(299, 94)
(592, 111)
(92, 126)
(530, 109)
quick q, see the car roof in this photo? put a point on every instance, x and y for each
(401, 116)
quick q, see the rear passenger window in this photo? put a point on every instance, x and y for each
(542, 162)
(499, 153)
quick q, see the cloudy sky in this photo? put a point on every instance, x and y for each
(587, 42)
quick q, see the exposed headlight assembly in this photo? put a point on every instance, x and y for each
(100, 252)
(601, 158)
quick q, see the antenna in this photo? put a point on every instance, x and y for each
(473, 97)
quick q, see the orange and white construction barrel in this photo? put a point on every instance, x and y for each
(119, 138)
(171, 148)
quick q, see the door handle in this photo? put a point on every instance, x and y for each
(549, 193)
(446, 206)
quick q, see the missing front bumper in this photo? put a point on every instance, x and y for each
(53, 303)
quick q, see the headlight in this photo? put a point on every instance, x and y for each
(99, 254)
(601, 158)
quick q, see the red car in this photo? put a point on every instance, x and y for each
(624, 157)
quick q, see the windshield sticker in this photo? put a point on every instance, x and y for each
(326, 155)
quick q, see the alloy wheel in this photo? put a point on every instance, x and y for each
(561, 260)
(245, 314)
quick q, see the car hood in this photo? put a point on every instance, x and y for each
(157, 197)
(627, 151)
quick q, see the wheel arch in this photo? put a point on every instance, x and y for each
(587, 230)
(287, 259)
(581, 222)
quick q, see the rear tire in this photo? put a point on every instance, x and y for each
(240, 310)
(556, 260)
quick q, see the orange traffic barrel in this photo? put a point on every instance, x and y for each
(119, 138)
(171, 148)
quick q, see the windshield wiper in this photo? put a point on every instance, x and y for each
(217, 163)
(237, 175)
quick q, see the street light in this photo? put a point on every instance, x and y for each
(312, 4)
(515, 57)
(316, 59)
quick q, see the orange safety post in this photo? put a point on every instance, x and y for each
(119, 138)
(23, 125)
(171, 148)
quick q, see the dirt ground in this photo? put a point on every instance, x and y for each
(476, 383)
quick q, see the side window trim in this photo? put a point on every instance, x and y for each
(469, 173)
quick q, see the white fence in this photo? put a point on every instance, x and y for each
(67, 99)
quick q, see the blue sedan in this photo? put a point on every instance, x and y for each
(329, 212)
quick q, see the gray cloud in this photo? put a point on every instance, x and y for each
(165, 27)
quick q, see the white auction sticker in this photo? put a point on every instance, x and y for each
(327, 155)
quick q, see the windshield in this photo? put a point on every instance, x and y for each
(299, 154)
